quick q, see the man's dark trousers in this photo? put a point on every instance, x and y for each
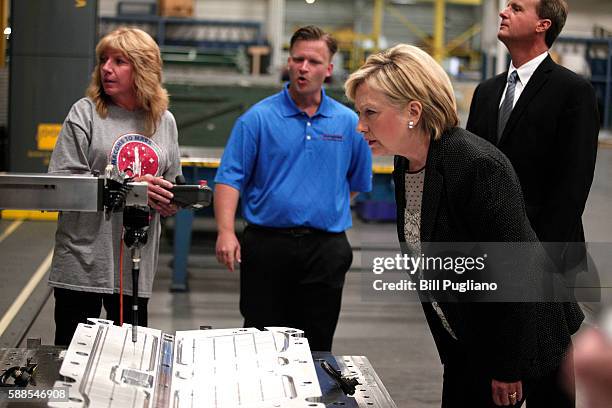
(293, 277)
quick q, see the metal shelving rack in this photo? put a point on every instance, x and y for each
(211, 33)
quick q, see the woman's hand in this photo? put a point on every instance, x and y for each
(159, 194)
(506, 394)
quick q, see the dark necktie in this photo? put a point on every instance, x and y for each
(506, 107)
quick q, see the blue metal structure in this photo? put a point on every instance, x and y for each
(183, 225)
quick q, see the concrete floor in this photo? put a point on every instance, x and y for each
(392, 334)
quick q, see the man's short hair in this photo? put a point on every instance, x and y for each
(556, 12)
(314, 33)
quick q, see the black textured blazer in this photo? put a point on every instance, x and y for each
(472, 194)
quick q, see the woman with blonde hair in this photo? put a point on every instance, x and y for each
(452, 186)
(123, 121)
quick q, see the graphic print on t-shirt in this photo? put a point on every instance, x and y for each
(135, 155)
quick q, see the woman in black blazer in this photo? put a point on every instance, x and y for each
(452, 186)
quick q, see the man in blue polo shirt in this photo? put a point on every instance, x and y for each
(296, 159)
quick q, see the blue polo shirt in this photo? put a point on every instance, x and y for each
(294, 170)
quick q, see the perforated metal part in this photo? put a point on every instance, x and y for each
(237, 368)
(244, 368)
(103, 367)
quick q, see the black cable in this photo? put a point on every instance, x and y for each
(347, 384)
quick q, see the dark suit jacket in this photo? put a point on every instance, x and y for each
(551, 141)
(472, 194)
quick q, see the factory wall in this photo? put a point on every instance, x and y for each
(332, 15)
(357, 14)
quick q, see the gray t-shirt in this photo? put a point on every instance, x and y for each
(87, 247)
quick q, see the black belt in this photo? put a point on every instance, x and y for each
(295, 231)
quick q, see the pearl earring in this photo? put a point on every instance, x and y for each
(411, 125)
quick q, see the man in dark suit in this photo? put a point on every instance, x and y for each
(544, 118)
(550, 130)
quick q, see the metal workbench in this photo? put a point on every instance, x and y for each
(102, 367)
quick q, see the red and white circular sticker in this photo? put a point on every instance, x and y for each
(135, 155)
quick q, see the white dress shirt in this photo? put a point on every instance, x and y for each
(525, 72)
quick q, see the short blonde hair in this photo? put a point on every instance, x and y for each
(144, 55)
(404, 74)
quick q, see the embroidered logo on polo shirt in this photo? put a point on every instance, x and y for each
(333, 138)
(135, 155)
